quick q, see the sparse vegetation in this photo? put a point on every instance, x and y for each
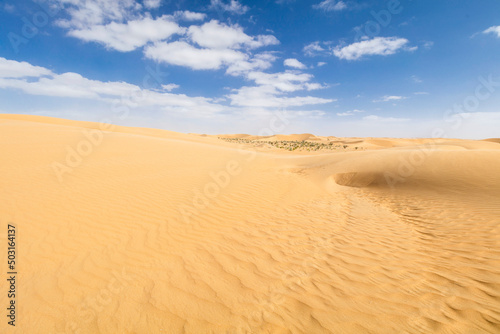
(293, 145)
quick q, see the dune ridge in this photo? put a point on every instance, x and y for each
(152, 231)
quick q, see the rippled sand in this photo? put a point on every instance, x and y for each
(149, 231)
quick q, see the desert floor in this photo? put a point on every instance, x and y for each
(131, 230)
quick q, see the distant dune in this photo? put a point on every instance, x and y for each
(495, 140)
(135, 230)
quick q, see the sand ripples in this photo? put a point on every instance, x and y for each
(282, 248)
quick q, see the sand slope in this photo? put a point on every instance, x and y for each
(150, 231)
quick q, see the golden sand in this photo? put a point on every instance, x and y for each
(134, 230)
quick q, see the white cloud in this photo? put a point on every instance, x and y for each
(152, 4)
(314, 86)
(416, 79)
(214, 45)
(181, 53)
(131, 35)
(271, 91)
(350, 112)
(284, 81)
(292, 62)
(86, 13)
(493, 30)
(73, 85)
(307, 113)
(69, 85)
(377, 46)
(321, 63)
(192, 106)
(264, 40)
(388, 98)
(270, 97)
(233, 6)
(208, 46)
(220, 36)
(15, 69)
(272, 88)
(187, 15)
(218, 45)
(170, 87)
(385, 119)
(313, 49)
(428, 44)
(331, 5)
(259, 62)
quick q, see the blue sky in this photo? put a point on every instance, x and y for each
(344, 68)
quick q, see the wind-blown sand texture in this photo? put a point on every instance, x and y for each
(152, 231)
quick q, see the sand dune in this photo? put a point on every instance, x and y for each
(132, 230)
(495, 140)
